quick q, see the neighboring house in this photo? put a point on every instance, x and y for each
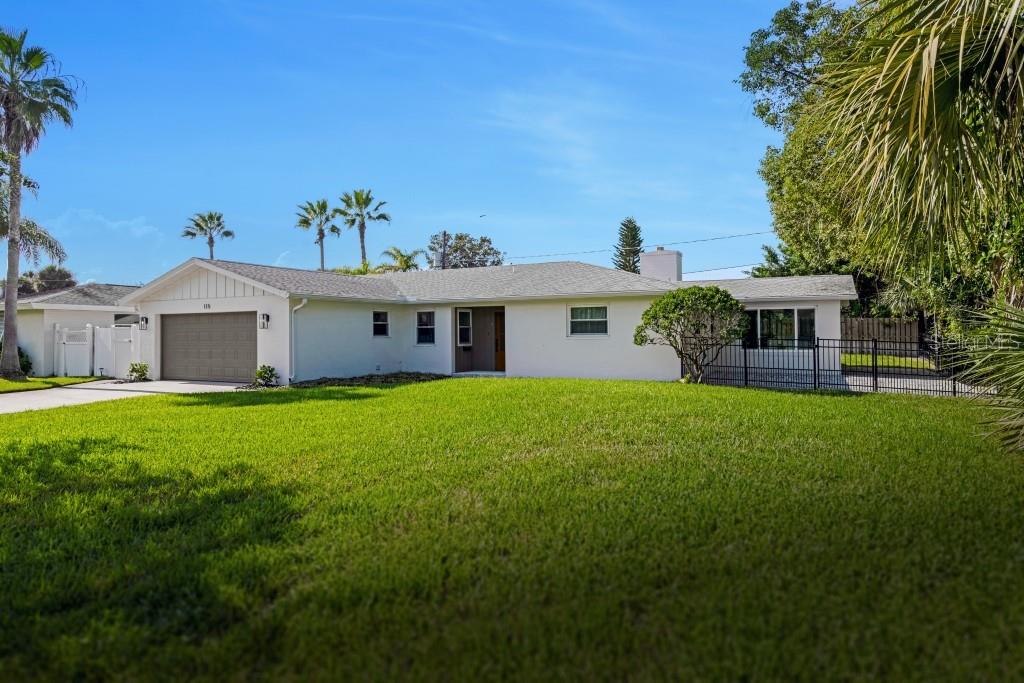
(219, 320)
(74, 308)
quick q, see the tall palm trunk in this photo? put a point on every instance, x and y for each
(10, 366)
(320, 241)
(209, 242)
(362, 240)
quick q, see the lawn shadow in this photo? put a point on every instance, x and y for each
(96, 543)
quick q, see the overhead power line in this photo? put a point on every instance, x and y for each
(709, 270)
(664, 244)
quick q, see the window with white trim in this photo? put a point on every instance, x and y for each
(584, 320)
(780, 328)
(380, 324)
(465, 327)
(424, 327)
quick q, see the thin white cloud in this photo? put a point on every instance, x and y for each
(78, 221)
(280, 260)
(581, 133)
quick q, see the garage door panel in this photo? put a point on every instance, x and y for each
(209, 346)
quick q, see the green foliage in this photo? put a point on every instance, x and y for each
(994, 357)
(402, 261)
(266, 376)
(36, 242)
(363, 269)
(24, 361)
(319, 217)
(925, 127)
(696, 322)
(358, 207)
(601, 530)
(783, 62)
(208, 226)
(462, 250)
(629, 246)
(138, 372)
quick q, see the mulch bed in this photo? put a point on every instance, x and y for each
(388, 380)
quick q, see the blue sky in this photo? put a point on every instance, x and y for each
(552, 119)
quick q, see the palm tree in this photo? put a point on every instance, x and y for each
(320, 217)
(925, 123)
(33, 92)
(35, 241)
(358, 208)
(402, 260)
(209, 226)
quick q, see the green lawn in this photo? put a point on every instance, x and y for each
(33, 383)
(863, 360)
(485, 529)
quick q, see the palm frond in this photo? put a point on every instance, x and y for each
(926, 121)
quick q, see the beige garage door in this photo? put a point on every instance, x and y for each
(209, 346)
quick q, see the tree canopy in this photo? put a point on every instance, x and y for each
(629, 246)
(696, 322)
(462, 250)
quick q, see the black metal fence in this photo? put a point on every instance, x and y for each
(907, 367)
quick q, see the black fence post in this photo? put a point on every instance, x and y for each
(874, 363)
(746, 380)
(815, 352)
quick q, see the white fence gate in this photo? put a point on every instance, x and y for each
(95, 351)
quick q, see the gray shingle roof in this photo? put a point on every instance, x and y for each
(797, 287)
(91, 294)
(314, 282)
(563, 278)
(534, 280)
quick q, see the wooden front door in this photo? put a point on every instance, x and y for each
(499, 341)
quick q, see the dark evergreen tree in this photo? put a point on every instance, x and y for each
(627, 251)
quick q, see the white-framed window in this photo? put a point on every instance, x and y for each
(588, 320)
(381, 324)
(780, 328)
(425, 327)
(464, 324)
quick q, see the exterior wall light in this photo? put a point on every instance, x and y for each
(143, 323)
(264, 321)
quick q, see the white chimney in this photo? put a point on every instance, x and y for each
(662, 264)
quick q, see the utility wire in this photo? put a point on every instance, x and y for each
(664, 244)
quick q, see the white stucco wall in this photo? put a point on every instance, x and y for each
(31, 339)
(207, 292)
(335, 339)
(538, 344)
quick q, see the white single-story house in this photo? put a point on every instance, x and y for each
(72, 308)
(220, 320)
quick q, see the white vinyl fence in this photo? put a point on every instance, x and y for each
(95, 351)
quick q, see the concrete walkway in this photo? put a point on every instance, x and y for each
(103, 390)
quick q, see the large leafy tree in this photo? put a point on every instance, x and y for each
(319, 217)
(54, 277)
(784, 63)
(402, 260)
(462, 250)
(696, 322)
(33, 93)
(627, 250)
(359, 207)
(207, 226)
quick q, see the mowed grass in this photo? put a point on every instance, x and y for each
(864, 360)
(33, 383)
(531, 529)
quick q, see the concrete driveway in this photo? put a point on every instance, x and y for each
(103, 390)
